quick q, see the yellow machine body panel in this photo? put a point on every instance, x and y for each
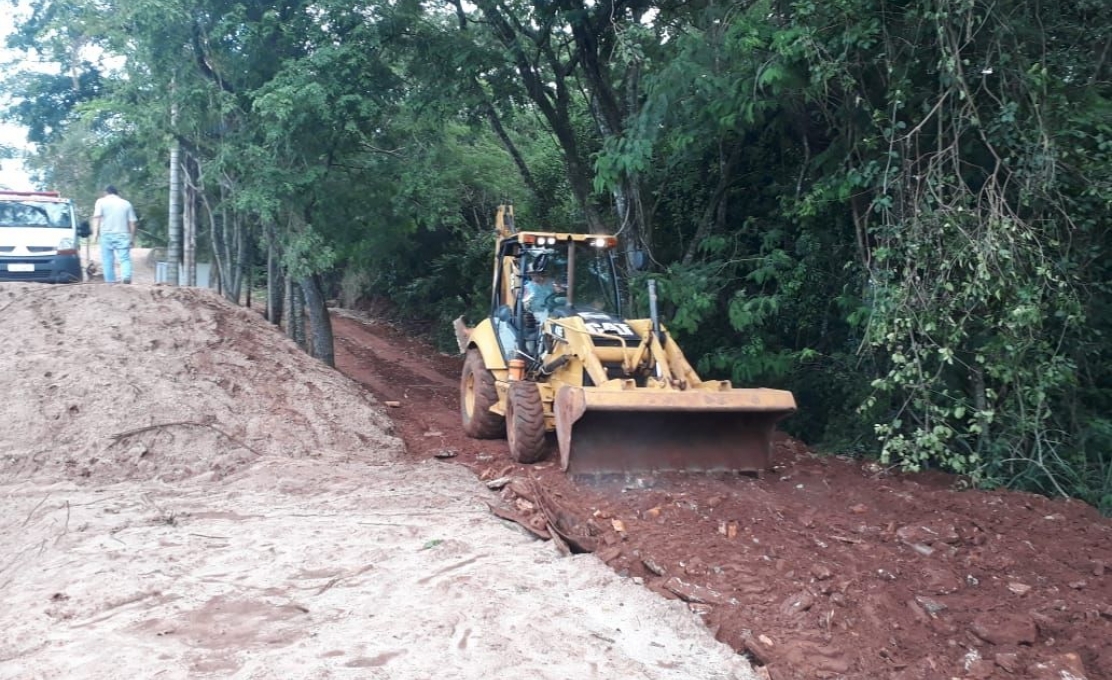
(619, 394)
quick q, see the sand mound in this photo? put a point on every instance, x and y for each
(110, 383)
(125, 558)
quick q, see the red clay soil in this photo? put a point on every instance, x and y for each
(824, 568)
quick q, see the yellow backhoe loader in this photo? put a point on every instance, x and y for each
(556, 354)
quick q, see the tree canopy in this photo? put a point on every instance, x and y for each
(898, 210)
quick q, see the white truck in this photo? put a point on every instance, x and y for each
(39, 237)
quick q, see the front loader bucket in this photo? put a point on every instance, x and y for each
(603, 433)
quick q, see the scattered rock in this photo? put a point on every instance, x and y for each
(695, 567)
(1066, 666)
(609, 554)
(932, 607)
(700, 610)
(797, 604)
(939, 579)
(1019, 588)
(498, 483)
(981, 669)
(821, 572)
(1009, 661)
(690, 592)
(885, 574)
(1005, 629)
(825, 660)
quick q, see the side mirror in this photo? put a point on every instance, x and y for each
(83, 230)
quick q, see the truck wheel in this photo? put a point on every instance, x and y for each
(525, 422)
(477, 395)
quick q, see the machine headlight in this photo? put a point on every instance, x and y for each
(599, 243)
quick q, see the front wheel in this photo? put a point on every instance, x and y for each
(525, 422)
(477, 394)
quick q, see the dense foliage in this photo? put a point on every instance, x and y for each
(899, 210)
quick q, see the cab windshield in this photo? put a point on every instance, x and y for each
(35, 214)
(594, 283)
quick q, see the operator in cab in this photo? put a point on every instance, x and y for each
(540, 289)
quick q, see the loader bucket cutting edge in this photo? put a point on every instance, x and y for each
(636, 432)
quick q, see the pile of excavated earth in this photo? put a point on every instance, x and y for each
(186, 494)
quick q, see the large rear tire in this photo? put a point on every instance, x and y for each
(525, 422)
(477, 395)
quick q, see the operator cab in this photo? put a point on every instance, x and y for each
(593, 283)
(550, 275)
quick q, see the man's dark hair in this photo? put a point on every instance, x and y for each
(111, 189)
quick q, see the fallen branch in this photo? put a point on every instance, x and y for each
(519, 519)
(190, 423)
(35, 509)
(563, 524)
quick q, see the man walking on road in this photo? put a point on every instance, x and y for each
(114, 223)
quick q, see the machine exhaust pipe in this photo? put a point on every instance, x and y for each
(654, 314)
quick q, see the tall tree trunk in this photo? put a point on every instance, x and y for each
(273, 277)
(549, 92)
(714, 215)
(508, 143)
(295, 318)
(221, 252)
(230, 248)
(173, 238)
(189, 235)
(287, 302)
(320, 322)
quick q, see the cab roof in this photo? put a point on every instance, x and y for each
(540, 237)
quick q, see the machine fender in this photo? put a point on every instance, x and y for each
(483, 337)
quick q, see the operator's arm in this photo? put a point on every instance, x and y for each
(530, 293)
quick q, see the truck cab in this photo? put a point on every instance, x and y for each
(39, 237)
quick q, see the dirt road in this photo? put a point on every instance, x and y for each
(826, 568)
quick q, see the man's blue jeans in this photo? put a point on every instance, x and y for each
(116, 247)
